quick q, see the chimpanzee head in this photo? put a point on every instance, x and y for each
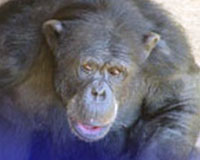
(97, 55)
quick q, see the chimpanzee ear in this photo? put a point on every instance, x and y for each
(150, 41)
(52, 30)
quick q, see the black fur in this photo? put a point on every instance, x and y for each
(159, 106)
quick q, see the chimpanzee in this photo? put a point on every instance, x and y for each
(95, 80)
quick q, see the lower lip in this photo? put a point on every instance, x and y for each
(89, 129)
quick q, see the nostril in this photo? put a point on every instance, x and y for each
(98, 93)
(94, 92)
(103, 94)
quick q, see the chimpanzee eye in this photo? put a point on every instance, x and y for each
(89, 67)
(114, 71)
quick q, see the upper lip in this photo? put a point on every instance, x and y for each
(92, 123)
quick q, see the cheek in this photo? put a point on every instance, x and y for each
(66, 86)
(122, 93)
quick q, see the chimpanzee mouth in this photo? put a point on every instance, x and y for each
(87, 132)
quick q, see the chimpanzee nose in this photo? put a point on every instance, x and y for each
(98, 91)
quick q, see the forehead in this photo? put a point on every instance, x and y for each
(103, 52)
(99, 38)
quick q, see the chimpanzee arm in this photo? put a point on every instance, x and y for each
(169, 136)
(168, 129)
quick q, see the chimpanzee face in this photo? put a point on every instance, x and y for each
(95, 63)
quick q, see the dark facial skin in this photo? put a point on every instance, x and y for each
(93, 109)
(95, 106)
